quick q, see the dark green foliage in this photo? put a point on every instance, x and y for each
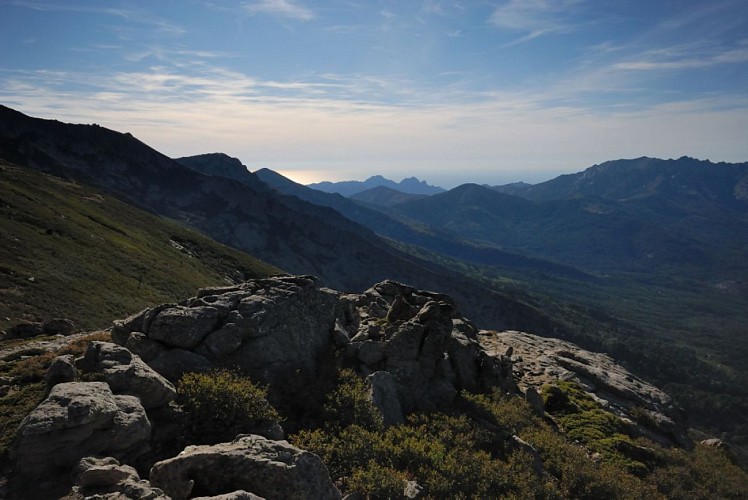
(466, 456)
(222, 404)
(349, 403)
(13, 409)
(585, 422)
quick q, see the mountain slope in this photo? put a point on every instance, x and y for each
(287, 232)
(68, 251)
(687, 180)
(384, 196)
(403, 230)
(649, 230)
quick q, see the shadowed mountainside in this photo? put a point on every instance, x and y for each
(70, 252)
(289, 233)
(384, 196)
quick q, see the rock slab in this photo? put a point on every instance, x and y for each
(270, 469)
(80, 419)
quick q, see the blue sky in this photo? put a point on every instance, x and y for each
(448, 91)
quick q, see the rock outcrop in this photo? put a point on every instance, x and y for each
(126, 373)
(76, 420)
(267, 328)
(277, 327)
(429, 351)
(538, 361)
(270, 469)
(415, 349)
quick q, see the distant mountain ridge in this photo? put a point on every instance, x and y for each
(411, 185)
(623, 215)
(384, 196)
(725, 184)
(389, 225)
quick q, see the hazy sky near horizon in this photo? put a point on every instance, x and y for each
(448, 91)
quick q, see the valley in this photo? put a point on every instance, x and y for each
(96, 225)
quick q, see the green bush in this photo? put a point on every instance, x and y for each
(378, 482)
(467, 455)
(222, 404)
(349, 403)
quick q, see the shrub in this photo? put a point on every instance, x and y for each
(376, 481)
(349, 403)
(222, 404)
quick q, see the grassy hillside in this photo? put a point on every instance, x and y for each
(68, 251)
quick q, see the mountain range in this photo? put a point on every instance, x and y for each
(285, 231)
(642, 258)
(411, 185)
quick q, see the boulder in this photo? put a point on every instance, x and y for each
(383, 389)
(268, 328)
(24, 330)
(58, 326)
(174, 363)
(107, 471)
(126, 373)
(61, 370)
(234, 495)
(139, 343)
(98, 478)
(183, 327)
(270, 469)
(80, 419)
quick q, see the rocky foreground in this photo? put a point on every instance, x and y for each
(106, 428)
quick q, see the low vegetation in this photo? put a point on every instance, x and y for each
(220, 405)
(685, 338)
(69, 251)
(473, 454)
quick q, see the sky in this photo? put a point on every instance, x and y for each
(448, 91)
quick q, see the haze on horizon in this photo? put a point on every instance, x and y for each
(447, 91)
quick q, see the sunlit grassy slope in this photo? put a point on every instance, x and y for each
(66, 250)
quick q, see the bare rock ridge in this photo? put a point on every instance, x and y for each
(274, 328)
(414, 347)
(538, 361)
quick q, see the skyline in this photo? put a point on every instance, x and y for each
(446, 91)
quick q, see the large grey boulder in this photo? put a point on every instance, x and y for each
(270, 469)
(126, 373)
(184, 327)
(234, 495)
(268, 328)
(80, 419)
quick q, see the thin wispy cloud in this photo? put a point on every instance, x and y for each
(655, 61)
(534, 17)
(282, 8)
(431, 84)
(132, 15)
